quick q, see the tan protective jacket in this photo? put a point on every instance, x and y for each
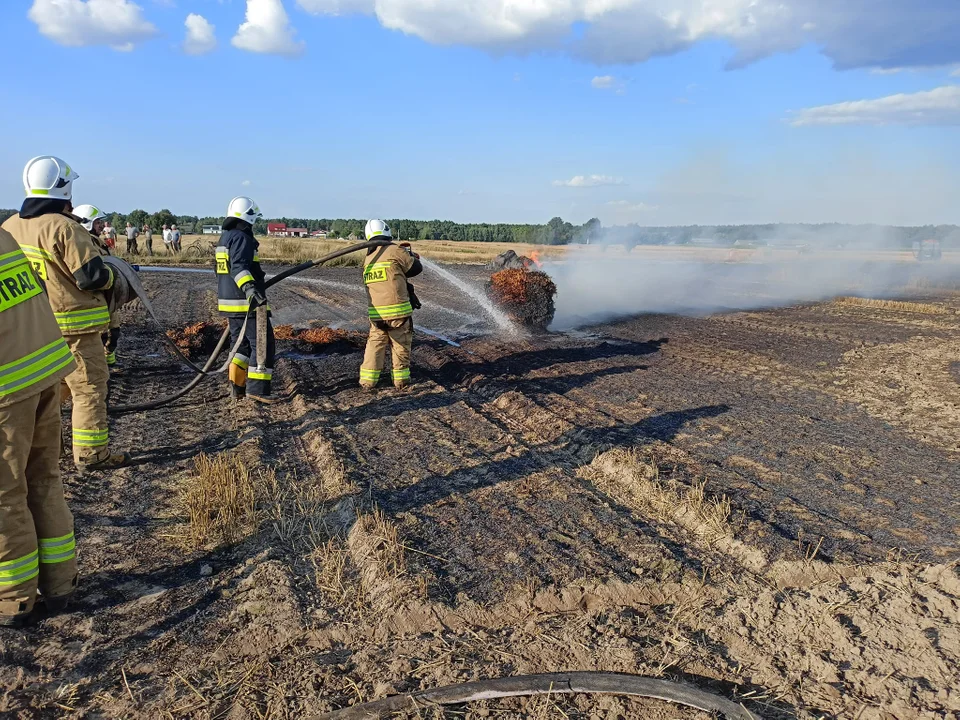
(58, 246)
(33, 354)
(385, 275)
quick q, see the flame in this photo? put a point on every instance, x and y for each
(535, 256)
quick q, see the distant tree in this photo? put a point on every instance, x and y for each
(4, 214)
(138, 218)
(161, 218)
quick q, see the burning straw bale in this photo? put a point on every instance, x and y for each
(197, 340)
(527, 297)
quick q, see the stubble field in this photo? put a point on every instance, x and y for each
(763, 504)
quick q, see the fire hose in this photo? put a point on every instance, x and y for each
(205, 371)
(549, 684)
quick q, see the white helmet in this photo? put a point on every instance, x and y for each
(244, 208)
(377, 228)
(89, 213)
(49, 177)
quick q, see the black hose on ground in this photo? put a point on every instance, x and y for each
(548, 684)
(116, 409)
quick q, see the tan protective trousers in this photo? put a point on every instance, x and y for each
(88, 386)
(398, 334)
(37, 547)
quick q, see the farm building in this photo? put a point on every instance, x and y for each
(281, 230)
(212, 229)
(322, 234)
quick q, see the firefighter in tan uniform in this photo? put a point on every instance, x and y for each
(391, 307)
(71, 267)
(93, 221)
(37, 547)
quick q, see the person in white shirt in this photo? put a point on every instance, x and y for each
(167, 239)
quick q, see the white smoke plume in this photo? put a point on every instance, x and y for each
(599, 284)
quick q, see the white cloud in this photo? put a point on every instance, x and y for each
(246, 183)
(603, 82)
(75, 23)
(267, 29)
(853, 33)
(955, 73)
(940, 106)
(582, 181)
(200, 35)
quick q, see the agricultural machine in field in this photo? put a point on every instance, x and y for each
(927, 250)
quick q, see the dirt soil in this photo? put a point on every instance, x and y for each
(764, 504)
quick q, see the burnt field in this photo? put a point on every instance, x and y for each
(763, 503)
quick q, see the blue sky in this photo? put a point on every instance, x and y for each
(649, 111)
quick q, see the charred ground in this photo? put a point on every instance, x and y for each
(773, 515)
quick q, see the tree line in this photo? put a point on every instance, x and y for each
(559, 232)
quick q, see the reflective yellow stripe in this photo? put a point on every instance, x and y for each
(369, 374)
(18, 570)
(10, 258)
(111, 358)
(241, 361)
(242, 278)
(90, 438)
(79, 319)
(35, 367)
(401, 373)
(223, 261)
(233, 305)
(58, 550)
(39, 253)
(112, 279)
(376, 273)
(17, 283)
(255, 374)
(391, 312)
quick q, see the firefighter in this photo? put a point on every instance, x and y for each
(241, 288)
(92, 220)
(71, 267)
(391, 306)
(37, 548)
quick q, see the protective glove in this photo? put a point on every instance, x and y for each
(414, 300)
(255, 296)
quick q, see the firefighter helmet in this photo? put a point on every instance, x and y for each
(48, 177)
(88, 214)
(244, 208)
(377, 228)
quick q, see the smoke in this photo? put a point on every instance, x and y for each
(602, 283)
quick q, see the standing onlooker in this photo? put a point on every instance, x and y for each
(175, 238)
(166, 240)
(109, 235)
(132, 235)
(148, 239)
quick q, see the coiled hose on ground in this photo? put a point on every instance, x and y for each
(548, 684)
(205, 370)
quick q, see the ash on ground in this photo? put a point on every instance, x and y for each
(197, 340)
(313, 340)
